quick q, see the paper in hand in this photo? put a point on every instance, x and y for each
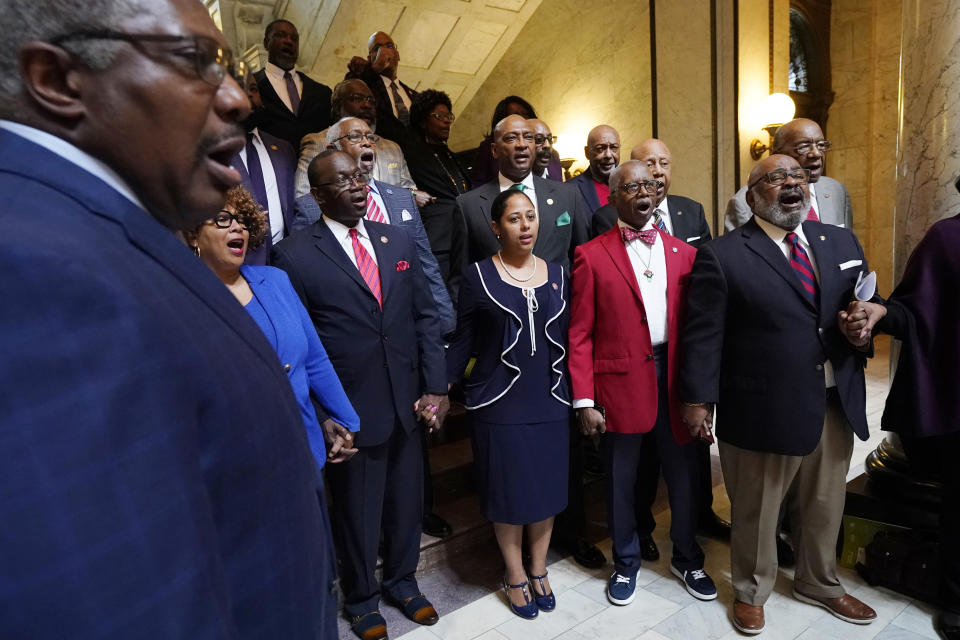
(866, 287)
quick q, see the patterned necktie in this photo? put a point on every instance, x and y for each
(647, 236)
(373, 210)
(804, 268)
(403, 115)
(658, 222)
(368, 268)
(292, 92)
(812, 214)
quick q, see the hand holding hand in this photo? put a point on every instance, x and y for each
(422, 198)
(340, 440)
(431, 410)
(857, 321)
(699, 421)
(591, 421)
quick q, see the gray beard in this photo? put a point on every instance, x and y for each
(775, 215)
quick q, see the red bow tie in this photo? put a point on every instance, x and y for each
(649, 236)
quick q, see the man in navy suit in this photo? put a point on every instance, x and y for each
(295, 103)
(267, 166)
(363, 285)
(762, 342)
(603, 154)
(380, 71)
(157, 478)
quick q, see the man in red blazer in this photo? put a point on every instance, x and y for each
(629, 285)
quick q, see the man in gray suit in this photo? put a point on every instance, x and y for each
(802, 140)
(562, 212)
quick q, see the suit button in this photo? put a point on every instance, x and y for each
(819, 367)
(649, 356)
(383, 337)
(820, 330)
(643, 319)
(286, 368)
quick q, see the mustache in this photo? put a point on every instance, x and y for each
(206, 144)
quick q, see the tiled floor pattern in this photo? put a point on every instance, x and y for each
(662, 609)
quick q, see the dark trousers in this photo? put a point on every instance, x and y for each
(570, 525)
(939, 454)
(624, 458)
(380, 488)
(329, 604)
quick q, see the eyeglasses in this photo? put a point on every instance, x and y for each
(355, 137)
(649, 187)
(359, 97)
(212, 62)
(224, 219)
(342, 182)
(778, 177)
(444, 117)
(539, 139)
(804, 148)
(511, 138)
(600, 148)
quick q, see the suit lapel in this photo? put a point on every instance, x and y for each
(386, 255)
(327, 243)
(270, 97)
(824, 256)
(678, 219)
(759, 242)
(546, 211)
(617, 251)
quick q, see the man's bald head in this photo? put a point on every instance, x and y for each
(382, 54)
(513, 147)
(543, 140)
(656, 156)
(785, 204)
(799, 139)
(602, 151)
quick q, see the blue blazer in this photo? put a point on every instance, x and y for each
(489, 330)
(284, 161)
(584, 182)
(386, 357)
(403, 212)
(151, 447)
(302, 355)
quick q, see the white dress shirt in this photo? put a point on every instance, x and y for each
(664, 211)
(813, 199)
(342, 233)
(403, 94)
(274, 208)
(379, 200)
(72, 154)
(779, 237)
(275, 76)
(528, 188)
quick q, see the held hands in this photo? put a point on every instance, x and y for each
(699, 421)
(858, 320)
(340, 440)
(423, 198)
(431, 410)
(591, 421)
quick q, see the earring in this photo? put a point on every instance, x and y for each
(498, 236)
(196, 250)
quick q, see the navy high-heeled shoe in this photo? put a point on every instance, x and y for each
(528, 611)
(544, 602)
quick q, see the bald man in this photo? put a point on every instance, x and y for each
(546, 163)
(802, 140)
(603, 154)
(379, 70)
(791, 390)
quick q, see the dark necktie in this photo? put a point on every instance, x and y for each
(403, 115)
(368, 268)
(257, 186)
(800, 262)
(292, 92)
(647, 236)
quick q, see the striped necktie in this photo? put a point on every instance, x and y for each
(368, 268)
(373, 210)
(804, 268)
(658, 222)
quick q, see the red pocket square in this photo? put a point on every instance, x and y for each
(403, 265)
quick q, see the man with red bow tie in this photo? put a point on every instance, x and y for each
(629, 286)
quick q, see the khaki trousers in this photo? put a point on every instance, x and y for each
(757, 484)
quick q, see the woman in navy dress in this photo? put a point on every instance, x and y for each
(512, 319)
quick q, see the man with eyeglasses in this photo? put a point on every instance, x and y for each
(802, 140)
(629, 286)
(380, 71)
(546, 164)
(762, 343)
(370, 302)
(353, 98)
(603, 154)
(156, 472)
(295, 103)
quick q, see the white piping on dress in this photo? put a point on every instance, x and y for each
(563, 352)
(505, 351)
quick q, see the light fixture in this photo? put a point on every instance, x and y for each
(776, 110)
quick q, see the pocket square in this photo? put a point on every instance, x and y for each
(564, 219)
(403, 265)
(850, 264)
(693, 238)
(405, 215)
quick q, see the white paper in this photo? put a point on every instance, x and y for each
(866, 287)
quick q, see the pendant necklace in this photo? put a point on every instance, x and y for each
(648, 272)
(507, 271)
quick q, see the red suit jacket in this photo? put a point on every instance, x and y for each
(611, 355)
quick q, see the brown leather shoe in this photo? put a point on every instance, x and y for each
(747, 618)
(846, 607)
(369, 626)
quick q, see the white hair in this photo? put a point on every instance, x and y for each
(336, 131)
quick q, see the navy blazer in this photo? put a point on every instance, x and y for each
(277, 119)
(151, 447)
(403, 212)
(686, 218)
(754, 344)
(584, 183)
(488, 330)
(386, 358)
(388, 125)
(283, 160)
(302, 355)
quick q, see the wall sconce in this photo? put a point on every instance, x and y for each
(775, 110)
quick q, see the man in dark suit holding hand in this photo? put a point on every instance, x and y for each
(363, 285)
(761, 341)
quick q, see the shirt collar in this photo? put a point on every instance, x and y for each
(506, 183)
(649, 225)
(341, 231)
(663, 208)
(777, 234)
(74, 155)
(276, 72)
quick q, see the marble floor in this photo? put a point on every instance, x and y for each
(662, 610)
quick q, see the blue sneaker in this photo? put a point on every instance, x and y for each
(697, 582)
(621, 589)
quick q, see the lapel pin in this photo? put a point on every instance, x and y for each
(549, 200)
(823, 237)
(826, 195)
(390, 191)
(555, 287)
(383, 239)
(274, 147)
(679, 213)
(674, 249)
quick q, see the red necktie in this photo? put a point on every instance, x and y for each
(804, 268)
(812, 214)
(373, 211)
(368, 268)
(648, 236)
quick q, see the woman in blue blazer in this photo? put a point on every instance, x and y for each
(266, 293)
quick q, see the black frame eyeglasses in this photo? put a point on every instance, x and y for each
(539, 139)
(342, 181)
(779, 176)
(224, 220)
(649, 187)
(212, 62)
